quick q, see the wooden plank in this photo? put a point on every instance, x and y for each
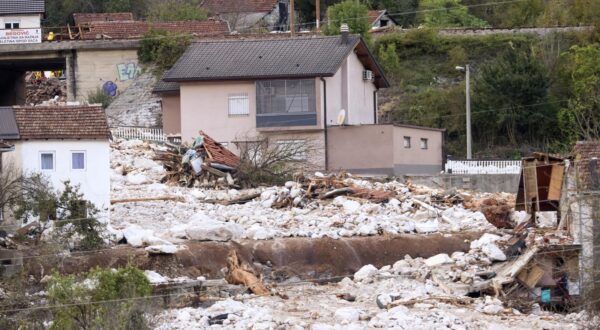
(530, 183)
(556, 182)
(531, 276)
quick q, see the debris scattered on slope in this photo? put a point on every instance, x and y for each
(239, 272)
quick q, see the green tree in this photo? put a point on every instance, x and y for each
(447, 13)
(388, 58)
(176, 10)
(581, 118)
(511, 93)
(351, 12)
(161, 49)
(105, 299)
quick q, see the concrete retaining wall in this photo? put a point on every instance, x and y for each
(480, 182)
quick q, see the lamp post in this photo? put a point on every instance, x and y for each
(467, 71)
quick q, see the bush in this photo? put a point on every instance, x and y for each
(105, 299)
(161, 49)
(176, 10)
(351, 12)
(100, 97)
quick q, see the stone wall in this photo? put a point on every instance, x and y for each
(137, 106)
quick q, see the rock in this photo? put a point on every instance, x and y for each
(366, 272)
(155, 277)
(493, 309)
(203, 228)
(144, 163)
(383, 300)
(426, 227)
(347, 314)
(438, 260)
(136, 179)
(257, 232)
(493, 252)
(484, 240)
(162, 249)
(136, 236)
(197, 194)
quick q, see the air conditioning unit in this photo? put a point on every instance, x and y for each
(367, 75)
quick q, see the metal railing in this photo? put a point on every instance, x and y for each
(143, 133)
(483, 166)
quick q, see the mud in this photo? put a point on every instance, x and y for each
(277, 259)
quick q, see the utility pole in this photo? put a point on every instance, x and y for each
(292, 18)
(467, 70)
(318, 14)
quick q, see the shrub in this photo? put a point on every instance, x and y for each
(100, 97)
(105, 299)
(161, 49)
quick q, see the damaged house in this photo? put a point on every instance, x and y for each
(320, 91)
(248, 16)
(61, 142)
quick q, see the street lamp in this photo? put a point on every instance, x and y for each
(467, 71)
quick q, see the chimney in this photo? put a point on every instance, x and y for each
(345, 32)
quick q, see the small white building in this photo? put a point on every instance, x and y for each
(63, 143)
(20, 21)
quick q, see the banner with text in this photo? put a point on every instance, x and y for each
(20, 36)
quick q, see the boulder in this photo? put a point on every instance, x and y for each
(204, 228)
(365, 273)
(438, 260)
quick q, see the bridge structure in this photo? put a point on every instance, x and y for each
(110, 65)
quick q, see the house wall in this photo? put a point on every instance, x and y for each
(314, 142)
(361, 149)
(171, 113)
(415, 160)
(334, 97)
(26, 21)
(360, 94)
(94, 68)
(94, 180)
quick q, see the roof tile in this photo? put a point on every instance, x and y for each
(86, 18)
(22, 7)
(239, 6)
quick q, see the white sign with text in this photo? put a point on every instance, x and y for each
(20, 36)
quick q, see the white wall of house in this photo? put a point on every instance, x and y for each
(94, 180)
(360, 94)
(25, 21)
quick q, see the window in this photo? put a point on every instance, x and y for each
(286, 103)
(78, 160)
(239, 105)
(47, 161)
(294, 148)
(12, 24)
(407, 142)
(423, 143)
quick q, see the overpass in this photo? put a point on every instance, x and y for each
(88, 65)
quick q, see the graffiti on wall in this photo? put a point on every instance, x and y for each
(128, 71)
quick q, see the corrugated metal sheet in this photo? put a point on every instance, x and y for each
(8, 124)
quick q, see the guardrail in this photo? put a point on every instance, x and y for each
(483, 166)
(142, 133)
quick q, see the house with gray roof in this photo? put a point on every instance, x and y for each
(20, 21)
(281, 90)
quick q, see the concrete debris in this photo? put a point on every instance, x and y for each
(45, 91)
(438, 260)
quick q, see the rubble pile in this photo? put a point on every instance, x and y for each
(45, 91)
(204, 161)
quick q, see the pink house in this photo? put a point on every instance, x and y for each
(286, 90)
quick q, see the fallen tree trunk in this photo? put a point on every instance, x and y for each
(147, 199)
(240, 273)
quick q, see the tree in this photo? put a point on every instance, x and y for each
(351, 12)
(176, 10)
(447, 13)
(10, 186)
(388, 58)
(161, 49)
(581, 118)
(510, 94)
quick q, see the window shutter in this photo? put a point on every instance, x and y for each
(239, 105)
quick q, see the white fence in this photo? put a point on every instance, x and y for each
(483, 166)
(142, 133)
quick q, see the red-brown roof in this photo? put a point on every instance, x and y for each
(62, 122)
(374, 15)
(584, 152)
(238, 6)
(85, 18)
(136, 29)
(218, 153)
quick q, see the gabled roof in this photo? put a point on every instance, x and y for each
(239, 6)
(165, 86)
(8, 124)
(86, 18)
(137, 29)
(61, 122)
(375, 15)
(22, 7)
(302, 57)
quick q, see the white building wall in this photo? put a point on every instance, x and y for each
(360, 94)
(94, 180)
(334, 97)
(25, 21)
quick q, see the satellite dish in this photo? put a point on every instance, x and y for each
(341, 118)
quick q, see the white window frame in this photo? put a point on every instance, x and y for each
(12, 22)
(407, 142)
(84, 160)
(53, 153)
(242, 101)
(300, 157)
(424, 143)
